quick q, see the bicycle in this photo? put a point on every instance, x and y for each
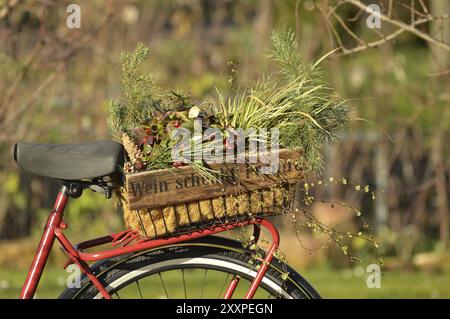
(132, 260)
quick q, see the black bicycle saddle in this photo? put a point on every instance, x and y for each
(70, 161)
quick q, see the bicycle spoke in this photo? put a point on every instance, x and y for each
(203, 284)
(223, 286)
(164, 286)
(184, 283)
(118, 297)
(139, 288)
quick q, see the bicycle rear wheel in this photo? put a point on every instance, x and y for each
(197, 269)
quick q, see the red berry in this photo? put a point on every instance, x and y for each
(177, 164)
(139, 165)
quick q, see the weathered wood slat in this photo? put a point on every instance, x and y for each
(167, 187)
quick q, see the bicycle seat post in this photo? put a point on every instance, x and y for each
(45, 245)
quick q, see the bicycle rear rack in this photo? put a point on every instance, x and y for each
(130, 241)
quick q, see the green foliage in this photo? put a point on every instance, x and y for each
(299, 102)
(141, 94)
(284, 51)
(318, 114)
(142, 97)
(11, 188)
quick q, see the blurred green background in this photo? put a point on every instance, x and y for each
(55, 84)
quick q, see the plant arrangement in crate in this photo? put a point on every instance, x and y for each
(163, 195)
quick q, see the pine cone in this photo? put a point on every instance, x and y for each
(134, 153)
(128, 168)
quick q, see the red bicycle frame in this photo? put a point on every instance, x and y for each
(130, 241)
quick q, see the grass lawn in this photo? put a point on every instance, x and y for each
(328, 282)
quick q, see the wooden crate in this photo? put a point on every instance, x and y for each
(166, 201)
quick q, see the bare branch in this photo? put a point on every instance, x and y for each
(445, 72)
(346, 28)
(402, 25)
(381, 41)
